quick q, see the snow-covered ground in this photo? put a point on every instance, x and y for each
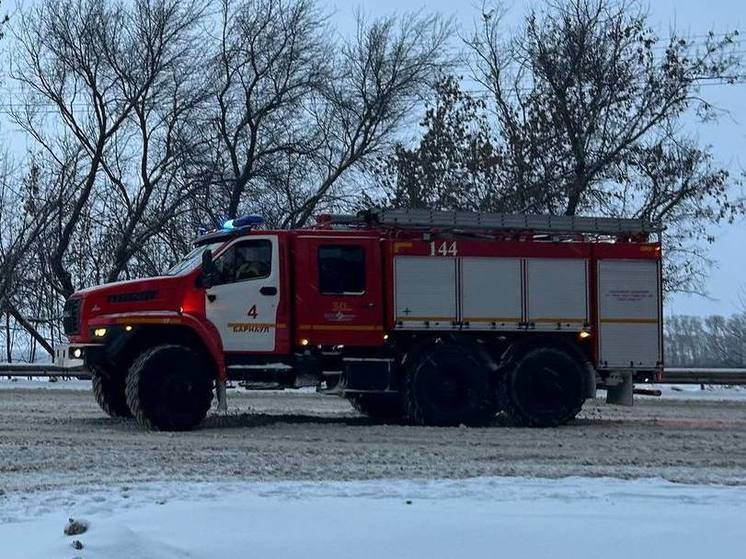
(672, 391)
(199, 494)
(483, 517)
(695, 391)
(44, 383)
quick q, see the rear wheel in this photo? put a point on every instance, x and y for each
(109, 391)
(542, 386)
(381, 407)
(169, 388)
(449, 383)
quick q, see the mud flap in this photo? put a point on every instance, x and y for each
(590, 381)
(222, 395)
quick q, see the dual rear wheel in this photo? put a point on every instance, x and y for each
(456, 382)
(542, 385)
(449, 384)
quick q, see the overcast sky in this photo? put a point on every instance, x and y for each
(728, 137)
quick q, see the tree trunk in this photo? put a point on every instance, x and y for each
(35, 334)
(8, 352)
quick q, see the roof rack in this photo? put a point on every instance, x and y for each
(464, 220)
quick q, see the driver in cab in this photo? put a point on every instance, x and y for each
(249, 268)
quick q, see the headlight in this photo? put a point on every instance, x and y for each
(99, 332)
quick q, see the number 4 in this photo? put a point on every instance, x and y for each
(444, 249)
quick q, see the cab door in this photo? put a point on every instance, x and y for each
(243, 302)
(339, 291)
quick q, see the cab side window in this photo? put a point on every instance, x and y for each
(341, 270)
(246, 260)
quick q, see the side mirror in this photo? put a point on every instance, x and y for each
(209, 271)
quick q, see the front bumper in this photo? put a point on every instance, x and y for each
(72, 356)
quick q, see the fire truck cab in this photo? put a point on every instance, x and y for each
(434, 318)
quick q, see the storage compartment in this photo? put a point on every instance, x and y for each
(491, 292)
(629, 314)
(557, 293)
(425, 291)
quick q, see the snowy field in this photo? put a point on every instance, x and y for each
(483, 517)
(53, 435)
(296, 474)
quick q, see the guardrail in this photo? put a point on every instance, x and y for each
(40, 370)
(689, 375)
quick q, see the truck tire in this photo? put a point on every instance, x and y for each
(542, 386)
(380, 407)
(449, 384)
(169, 388)
(109, 391)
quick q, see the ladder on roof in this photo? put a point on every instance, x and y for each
(464, 220)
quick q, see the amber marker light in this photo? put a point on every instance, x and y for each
(304, 342)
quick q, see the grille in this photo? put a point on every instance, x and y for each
(132, 297)
(71, 317)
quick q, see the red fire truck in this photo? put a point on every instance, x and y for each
(434, 318)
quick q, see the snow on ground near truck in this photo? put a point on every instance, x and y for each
(676, 391)
(55, 439)
(669, 391)
(483, 517)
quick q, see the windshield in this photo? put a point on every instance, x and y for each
(192, 260)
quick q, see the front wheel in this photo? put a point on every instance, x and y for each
(108, 389)
(169, 387)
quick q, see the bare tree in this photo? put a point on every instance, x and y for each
(383, 73)
(272, 55)
(712, 341)
(589, 104)
(62, 62)
(116, 77)
(3, 20)
(24, 218)
(162, 79)
(585, 80)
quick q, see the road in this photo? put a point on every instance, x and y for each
(52, 439)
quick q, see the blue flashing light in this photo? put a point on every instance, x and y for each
(245, 221)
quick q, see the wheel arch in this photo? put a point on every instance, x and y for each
(150, 335)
